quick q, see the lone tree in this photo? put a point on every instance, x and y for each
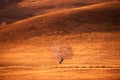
(63, 52)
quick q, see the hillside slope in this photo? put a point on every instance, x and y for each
(87, 39)
(12, 10)
(102, 17)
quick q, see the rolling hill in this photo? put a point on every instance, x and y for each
(88, 37)
(12, 10)
(102, 17)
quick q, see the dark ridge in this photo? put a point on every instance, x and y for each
(6, 3)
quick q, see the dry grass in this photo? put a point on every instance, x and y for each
(93, 58)
(77, 20)
(17, 10)
(28, 47)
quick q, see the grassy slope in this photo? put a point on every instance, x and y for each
(96, 18)
(101, 19)
(29, 46)
(29, 8)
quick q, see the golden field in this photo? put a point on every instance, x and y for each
(88, 37)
